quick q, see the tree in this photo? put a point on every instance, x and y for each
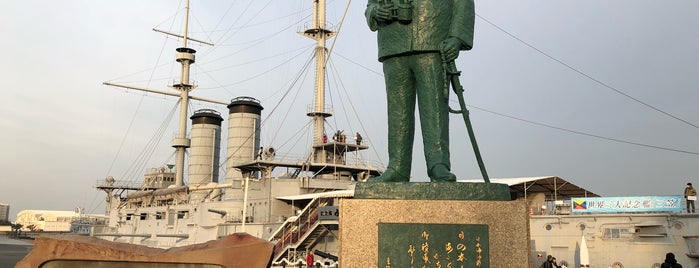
(16, 229)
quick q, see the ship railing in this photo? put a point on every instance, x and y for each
(303, 158)
(119, 184)
(359, 163)
(290, 157)
(311, 109)
(347, 153)
(296, 229)
(294, 220)
(296, 237)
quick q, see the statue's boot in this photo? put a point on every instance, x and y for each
(391, 175)
(441, 173)
(400, 153)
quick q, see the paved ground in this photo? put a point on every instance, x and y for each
(12, 251)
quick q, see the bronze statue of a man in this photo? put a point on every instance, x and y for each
(417, 38)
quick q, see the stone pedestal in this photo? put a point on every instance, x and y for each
(414, 232)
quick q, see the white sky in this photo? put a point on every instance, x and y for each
(62, 130)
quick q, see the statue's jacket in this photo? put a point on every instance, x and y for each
(433, 21)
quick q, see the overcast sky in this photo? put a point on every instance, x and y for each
(603, 94)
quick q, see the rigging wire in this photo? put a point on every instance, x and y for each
(136, 111)
(253, 44)
(152, 69)
(141, 160)
(301, 72)
(220, 85)
(200, 25)
(587, 75)
(337, 81)
(159, 132)
(339, 28)
(257, 75)
(259, 23)
(575, 70)
(330, 96)
(358, 64)
(584, 133)
(260, 59)
(356, 113)
(291, 86)
(302, 129)
(172, 18)
(138, 107)
(296, 80)
(228, 31)
(220, 20)
(132, 173)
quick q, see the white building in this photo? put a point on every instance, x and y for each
(46, 220)
(4, 212)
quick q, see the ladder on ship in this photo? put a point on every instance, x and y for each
(301, 233)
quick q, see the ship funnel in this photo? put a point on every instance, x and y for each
(205, 147)
(244, 115)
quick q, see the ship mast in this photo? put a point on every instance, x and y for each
(320, 33)
(185, 56)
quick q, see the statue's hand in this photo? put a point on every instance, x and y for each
(382, 13)
(450, 48)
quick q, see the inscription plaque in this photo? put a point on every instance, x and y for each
(433, 245)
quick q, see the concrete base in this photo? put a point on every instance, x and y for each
(507, 230)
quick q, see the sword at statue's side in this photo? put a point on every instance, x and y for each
(453, 76)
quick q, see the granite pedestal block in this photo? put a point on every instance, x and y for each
(434, 233)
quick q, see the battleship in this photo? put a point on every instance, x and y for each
(293, 202)
(290, 202)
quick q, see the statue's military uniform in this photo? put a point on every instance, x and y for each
(409, 47)
(432, 22)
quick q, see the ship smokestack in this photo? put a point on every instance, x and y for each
(244, 115)
(205, 147)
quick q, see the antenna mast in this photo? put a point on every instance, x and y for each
(320, 33)
(181, 142)
(185, 56)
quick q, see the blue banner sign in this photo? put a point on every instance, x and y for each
(670, 203)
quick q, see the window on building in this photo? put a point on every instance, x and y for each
(615, 233)
(182, 214)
